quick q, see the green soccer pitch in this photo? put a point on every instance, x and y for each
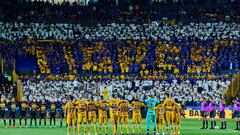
(188, 127)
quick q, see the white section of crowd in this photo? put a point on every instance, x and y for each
(57, 90)
(14, 31)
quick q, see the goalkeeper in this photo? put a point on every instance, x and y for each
(151, 104)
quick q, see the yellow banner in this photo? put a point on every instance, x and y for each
(197, 114)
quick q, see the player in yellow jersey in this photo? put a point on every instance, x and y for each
(160, 118)
(136, 115)
(168, 106)
(102, 115)
(82, 115)
(113, 104)
(92, 115)
(177, 117)
(70, 112)
(123, 115)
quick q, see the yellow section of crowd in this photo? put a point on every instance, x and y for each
(40, 53)
(69, 59)
(105, 64)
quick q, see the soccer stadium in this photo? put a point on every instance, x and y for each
(119, 67)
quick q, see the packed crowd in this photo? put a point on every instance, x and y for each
(7, 89)
(139, 49)
(65, 31)
(188, 91)
(120, 11)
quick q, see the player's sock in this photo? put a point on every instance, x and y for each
(45, 122)
(60, 123)
(114, 129)
(79, 128)
(225, 125)
(100, 128)
(178, 130)
(74, 130)
(10, 122)
(133, 129)
(13, 122)
(5, 123)
(95, 128)
(166, 130)
(50, 121)
(222, 123)
(68, 130)
(215, 124)
(203, 124)
(139, 128)
(147, 127)
(206, 122)
(54, 121)
(89, 128)
(40, 122)
(236, 125)
(106, 128)
(121, 128)
(35, 121)
(174, 129)
(85, 128)
(127, 128)
(25, 122)
(20, 122)
(171, 129)
(211, 124)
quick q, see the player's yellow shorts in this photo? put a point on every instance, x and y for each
(71, 120)
(103, 120)
(136, 117)
(123, 119)
(169, 116)
(114, 117)
(82, 118)
(92, 117)
(177, 119)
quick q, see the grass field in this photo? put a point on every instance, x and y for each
(188, 127)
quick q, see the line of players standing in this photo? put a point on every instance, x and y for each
(208, 108)
(32, 107)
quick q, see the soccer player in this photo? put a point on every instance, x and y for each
(63, 106)
(102, 115)
(23, 105)
(113, 104)
(160, 118)
(177, 117)
(236, 113)
(123, 115)
(168, 106)
(2, 110)
(12, 109)
(53, 106)
(92, 115)
(222, 114)
(70, 112)
(43, 108)
(82, 115)
(151, 104)
(33, 114)
(204, 113)
(212, 110)
(136, 115)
